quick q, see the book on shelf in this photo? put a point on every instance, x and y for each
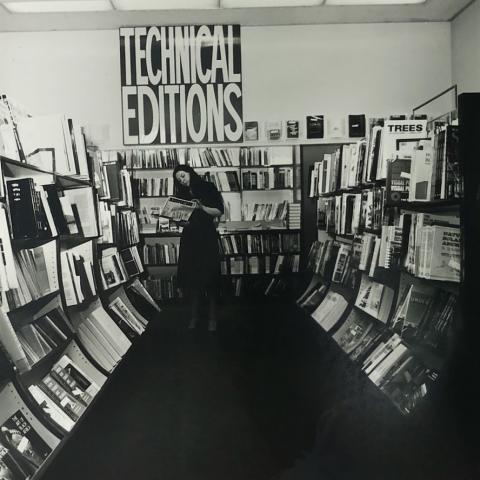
(132, 323)
(352, 332)
(311, 299)
(118, 226)
(22, 449)
(10, 145)
(274, 129)
(28, 218)
(253, 157)
(74, 381)
(36, 274)
(154, 158)
(131, 260)
(163, 288)
(315, 126)
(8, 277)
(177, 209)
(292, 129)
(137, 288)
(356, 126)
(162, 253)
(61, 134)
(213, 157)
(51, 408)
(112, 268)
(224, 181)
(330, 310)
(374, 298)
(447, 181)
(82, 204)
(394, 132)
(77, 273)
(265, 211)
(408, 383)
(153, 186)
(73, 407)
(11, 344)
(250, 131)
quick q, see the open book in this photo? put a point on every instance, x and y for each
(178, 209)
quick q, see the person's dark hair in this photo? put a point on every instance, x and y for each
(195, 180)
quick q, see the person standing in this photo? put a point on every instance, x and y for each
(199, 256)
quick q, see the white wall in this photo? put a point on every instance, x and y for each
(466, 49)
(288, 71)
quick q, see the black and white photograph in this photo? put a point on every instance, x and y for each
(239, 239)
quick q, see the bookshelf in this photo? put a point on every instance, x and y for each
(65, 324)
(249, 179)
(386, 254)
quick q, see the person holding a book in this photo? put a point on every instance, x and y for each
(199, 257)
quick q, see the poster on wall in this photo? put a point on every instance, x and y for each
(181, 84)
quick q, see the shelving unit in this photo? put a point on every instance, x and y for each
(38, 334)
(143, 163)
(396, 324)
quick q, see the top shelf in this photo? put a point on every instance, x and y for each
(65, 181)
(225, 167)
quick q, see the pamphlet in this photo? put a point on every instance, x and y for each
(178, 209)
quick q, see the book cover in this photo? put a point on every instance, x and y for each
(24, 442)
(293, 128)
(315, 126)
(251, 131)
(177, 209)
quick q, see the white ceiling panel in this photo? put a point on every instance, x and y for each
(430, 11)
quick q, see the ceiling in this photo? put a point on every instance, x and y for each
(430, 11)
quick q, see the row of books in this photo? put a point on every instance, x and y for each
(163, 288)
(213, 157)
(266, 264)
(65, 392)
(281, 177)
(161, 253)
(44, 211)
(153, 158)
(416, 167)
(153, 186)
(132, 261)
(112, 268)
(431, 171)
(49, 142)
(349, 213)
(112, 181)
(403, 376)
(77, 273)
(423, 313)
(117, 225)
(22, 449)
(205, 157)
(271, 242)
(31, 275)
(150, 222)
(265, 211)
(43, 335)
(266, 156)
(226, 181)
(387, 361)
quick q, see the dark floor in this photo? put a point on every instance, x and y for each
(264, 398)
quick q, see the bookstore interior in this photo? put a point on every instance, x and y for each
(342, 138)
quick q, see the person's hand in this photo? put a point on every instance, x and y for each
(198, 204)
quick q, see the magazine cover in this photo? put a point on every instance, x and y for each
(22, 449)
(178, 209)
